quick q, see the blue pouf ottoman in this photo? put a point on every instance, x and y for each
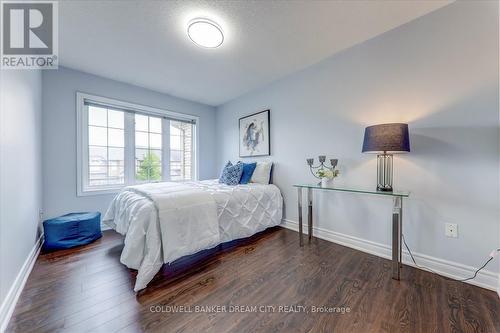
(71, 230)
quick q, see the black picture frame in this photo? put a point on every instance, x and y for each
(268, 119)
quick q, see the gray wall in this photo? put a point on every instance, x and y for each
(59, 133)
(438, 73)
(20, 170)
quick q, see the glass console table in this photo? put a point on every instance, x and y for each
(397, 217)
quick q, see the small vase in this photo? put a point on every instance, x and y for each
(326, 182)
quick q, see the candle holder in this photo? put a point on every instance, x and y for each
(322, 168)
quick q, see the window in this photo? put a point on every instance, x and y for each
(121, 144)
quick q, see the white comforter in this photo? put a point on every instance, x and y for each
(165, 221)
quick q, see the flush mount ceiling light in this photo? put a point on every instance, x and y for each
(205, 33)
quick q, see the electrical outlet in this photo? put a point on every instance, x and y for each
(451, 230)
(40, 215)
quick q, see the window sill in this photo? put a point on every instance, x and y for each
(94, 192)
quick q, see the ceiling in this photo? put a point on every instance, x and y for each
(145, 42)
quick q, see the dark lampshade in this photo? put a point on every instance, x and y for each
(389, 138)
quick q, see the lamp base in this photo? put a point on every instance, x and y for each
(384, 189)
(384, 172)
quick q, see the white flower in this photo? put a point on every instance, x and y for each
(327, 173)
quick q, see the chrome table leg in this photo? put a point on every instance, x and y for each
(299, 196)
(310, 213)
(396, 237)
(401, 234)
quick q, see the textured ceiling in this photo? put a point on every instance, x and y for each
(145, 42)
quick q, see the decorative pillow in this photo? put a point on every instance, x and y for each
(248, 169)
(222, 176)
(262, 173)
(231, 174)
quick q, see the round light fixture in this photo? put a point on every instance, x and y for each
(205, 33)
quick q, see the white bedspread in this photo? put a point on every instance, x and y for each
(165, 221)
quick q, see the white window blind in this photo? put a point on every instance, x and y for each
(181, 150)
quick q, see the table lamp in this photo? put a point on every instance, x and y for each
(386, 140)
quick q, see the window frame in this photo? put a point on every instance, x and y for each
(83, 189)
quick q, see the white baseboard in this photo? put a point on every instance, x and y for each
(10, 301)
(485, 279)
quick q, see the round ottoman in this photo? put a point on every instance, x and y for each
(71, 230)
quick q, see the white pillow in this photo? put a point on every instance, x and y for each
(262, 173)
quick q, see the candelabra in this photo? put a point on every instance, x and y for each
(321, 166)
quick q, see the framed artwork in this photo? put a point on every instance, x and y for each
(255, 134)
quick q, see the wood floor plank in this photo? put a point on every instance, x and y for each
(86, 289)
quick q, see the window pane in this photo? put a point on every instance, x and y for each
(174, 130)
(98, 155)
(155, 141)
(98, 172)
(148, 148)
(148, 165)
(157, 153)
(175, 155)
(115, 137)
(140, 154)
(98, 182)
(97, 136)
(175, 168)
(141, 139)
(141, 123)
(115, 118)
(116, 175)
(155, 125)
(97, 116)
(116, 156)
(175, 142)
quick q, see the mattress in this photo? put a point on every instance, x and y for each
(242, 211)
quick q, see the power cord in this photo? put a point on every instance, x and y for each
(413, 259)
(492, 256)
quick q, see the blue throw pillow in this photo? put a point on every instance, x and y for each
(248, 169)
(231, 174)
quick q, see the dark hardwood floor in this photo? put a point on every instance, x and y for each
(87, 289)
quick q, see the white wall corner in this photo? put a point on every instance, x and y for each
(454, 270)
(9, 303)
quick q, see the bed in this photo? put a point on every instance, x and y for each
(165, 221)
